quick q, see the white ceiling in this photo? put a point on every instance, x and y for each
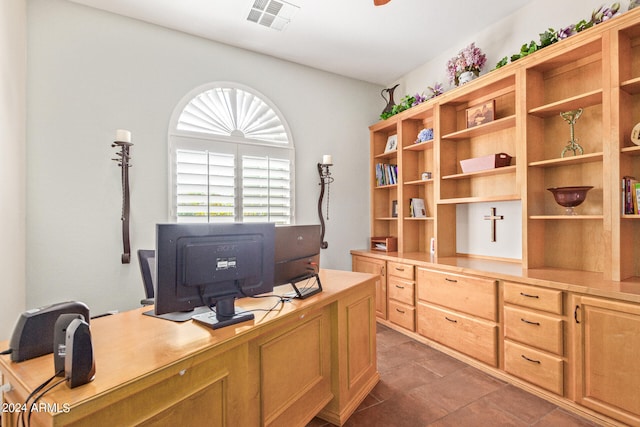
(349, 37)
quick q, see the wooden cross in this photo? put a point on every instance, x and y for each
(493, 218)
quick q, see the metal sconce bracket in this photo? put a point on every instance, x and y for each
(123, 160)
(325, 180)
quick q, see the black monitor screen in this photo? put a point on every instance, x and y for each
(202, 265)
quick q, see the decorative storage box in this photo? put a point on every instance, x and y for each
(385, 244)
(485, 162)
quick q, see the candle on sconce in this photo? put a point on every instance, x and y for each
(327, 159)
(123, 135)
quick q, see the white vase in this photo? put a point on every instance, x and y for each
(465, 77)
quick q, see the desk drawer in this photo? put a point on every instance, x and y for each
(402, 315)
(474, 337)
(534, 366)
(400, 270)
(471, 295)
(401, 290)
(537, 330)
(533, 297)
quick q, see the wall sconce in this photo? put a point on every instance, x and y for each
(123, 140)
(325, 180)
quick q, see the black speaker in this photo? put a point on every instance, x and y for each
(60, 340)
(33, 333)
(79, 365)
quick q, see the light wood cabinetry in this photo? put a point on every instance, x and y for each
(313, 357)
(534, 340)
(567, 79)
(522, 327)
(541, 333)
(597, 71)
(459, 312)
(626, 108)
(401, 295)
(376, 266)
(383, 194)
(607, 348)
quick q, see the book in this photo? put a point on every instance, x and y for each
(629, 195)
(417, 208)
(386, 174)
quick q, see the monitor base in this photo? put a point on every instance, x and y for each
(211, 320)
(178, 316)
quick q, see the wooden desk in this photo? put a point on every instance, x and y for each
(313, 357)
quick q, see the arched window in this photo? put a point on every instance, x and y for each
(231, 158)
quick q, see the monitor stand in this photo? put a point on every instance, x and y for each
(305, 291)
(179, 316)
(226, 314)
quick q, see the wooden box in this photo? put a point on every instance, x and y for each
(384, 244)
(485, 162)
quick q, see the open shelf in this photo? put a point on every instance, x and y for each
(420, 146)
(420, 182)
(584, 100)
(565, 217)
(494, 126)
(463, 200)
(564, 161)
(631, 86)
(487, 172)
(387, 155)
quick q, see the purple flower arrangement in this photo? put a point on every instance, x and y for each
(470, 58)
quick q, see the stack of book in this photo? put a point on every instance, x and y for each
(630, 195)
(386, 174)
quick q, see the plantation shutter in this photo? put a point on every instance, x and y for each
(205, 186)
(266, 189)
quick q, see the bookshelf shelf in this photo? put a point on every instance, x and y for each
(600, 74)
(488, 172)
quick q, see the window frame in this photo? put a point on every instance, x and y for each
(228, 144)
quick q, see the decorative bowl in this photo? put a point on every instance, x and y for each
(570, 197)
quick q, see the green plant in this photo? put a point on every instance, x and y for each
(405, 103)
(552, 36)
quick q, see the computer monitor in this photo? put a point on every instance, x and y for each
(297, 257)
(199, 266)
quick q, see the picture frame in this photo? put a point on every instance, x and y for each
(392, 144)
(480, 114)
(394, 209)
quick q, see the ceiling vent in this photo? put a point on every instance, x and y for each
(272, 13)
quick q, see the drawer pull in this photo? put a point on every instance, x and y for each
(399, 287)
(530, 322)
(400, 311)
(530, 360)
(400, 268)
(451, 320)
(450, 280)
(529, 295)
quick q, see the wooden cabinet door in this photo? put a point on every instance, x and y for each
(607, 367)
(374, 266)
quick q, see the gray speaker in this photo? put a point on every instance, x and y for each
(60, 340)
(79, 365)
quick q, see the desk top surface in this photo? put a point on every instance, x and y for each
(130, 345)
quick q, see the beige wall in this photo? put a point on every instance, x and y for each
(13, 70)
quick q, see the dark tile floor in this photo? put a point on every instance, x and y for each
(420, 387)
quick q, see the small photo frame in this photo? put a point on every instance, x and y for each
(480, 114)
(392, 143)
